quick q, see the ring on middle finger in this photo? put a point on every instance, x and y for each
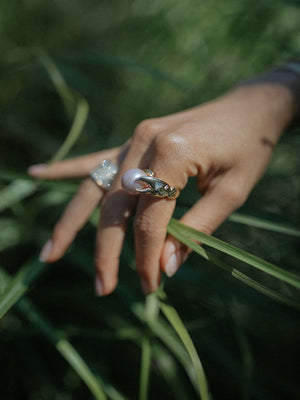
(137, 181)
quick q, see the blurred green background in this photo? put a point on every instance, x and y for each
(132, 60)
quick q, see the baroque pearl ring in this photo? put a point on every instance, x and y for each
(137, 181)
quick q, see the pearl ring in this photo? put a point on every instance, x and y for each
(137, 181)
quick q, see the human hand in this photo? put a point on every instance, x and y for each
(226, 143)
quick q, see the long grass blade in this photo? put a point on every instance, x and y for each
(15, 192)
(19, 285)
(63, 186)
(172, 316)
(158, 326)
(71, 99)
(11, 233)
(63, 346)
(57, 79)
(151, 313)
(169, 370)
(81, 114)
(233, 271)
(285, 276)
(253, 283)
(80, 366)
(145, 368)
(264, 224)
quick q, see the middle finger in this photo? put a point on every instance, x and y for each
(116, 210)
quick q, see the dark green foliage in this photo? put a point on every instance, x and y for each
(131, 60)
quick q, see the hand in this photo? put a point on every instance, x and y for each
(226, 143)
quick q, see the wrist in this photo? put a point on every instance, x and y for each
(288, 77)
(270, 98)
(284, 84)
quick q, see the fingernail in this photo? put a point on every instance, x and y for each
(45, 252)
(170, 248)
(145, 286)
(98, 286)
(172, 265)
(36, 169)
(174, 262)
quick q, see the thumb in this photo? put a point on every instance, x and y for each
(218, 202)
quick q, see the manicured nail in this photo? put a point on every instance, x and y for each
(98, 286)
(174, 262)
(170, 248)
(172, 265)
(45, 252)
(36, 169)
(171, 251)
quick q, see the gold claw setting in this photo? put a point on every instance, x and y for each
(156, 187)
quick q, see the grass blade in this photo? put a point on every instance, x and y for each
(11, 233)
(253, 283)
(15, 192)
(63, 346)
(264, 224)
(172, 316)
(70, 99)
(168, 369)
(151, 313)
(288, 277)
(79, 365)
(145, 368)
(57, 78)
(81, 114)
(19, 285)
(233, 271)
(161, 330)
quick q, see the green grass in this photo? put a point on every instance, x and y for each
(77, 77)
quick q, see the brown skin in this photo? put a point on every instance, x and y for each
(227, 143)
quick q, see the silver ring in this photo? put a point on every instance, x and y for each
(137, 181)
(104, 174)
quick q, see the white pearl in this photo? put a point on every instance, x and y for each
(128, 180)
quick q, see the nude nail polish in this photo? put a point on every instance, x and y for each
(98, 286)
(36, 169)
(174, 262)
(45, 252)
(170, 248)
(145, 286)
(172, 265)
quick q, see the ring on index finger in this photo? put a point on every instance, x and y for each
(137, 181)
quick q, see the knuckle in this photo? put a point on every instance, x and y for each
(148, 235)
(106, 210)
(147, 129)
(172, 142)
(205, 228)
(142, 225)
(111, 215)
